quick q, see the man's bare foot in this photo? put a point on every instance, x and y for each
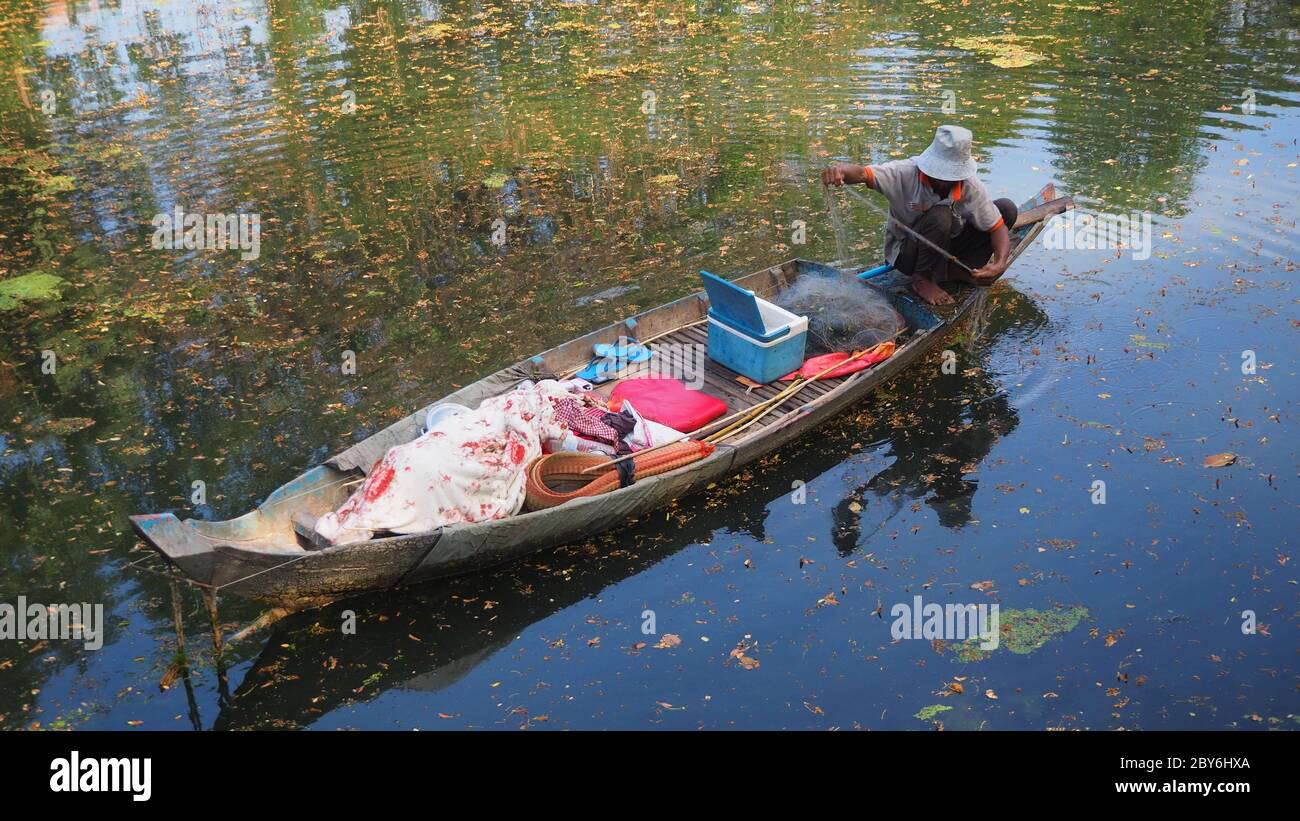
(930, 292)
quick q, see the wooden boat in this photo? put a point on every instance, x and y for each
(268, 554)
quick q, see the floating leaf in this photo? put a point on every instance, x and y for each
(66, 425)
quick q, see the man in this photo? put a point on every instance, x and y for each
(938, 196)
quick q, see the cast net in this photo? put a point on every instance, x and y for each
(844, 314)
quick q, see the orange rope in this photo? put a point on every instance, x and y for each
(567, 466)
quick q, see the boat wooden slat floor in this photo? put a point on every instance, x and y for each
(718, 380)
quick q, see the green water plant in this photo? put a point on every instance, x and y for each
(1024, 631)
(929, 713)
(36, 286)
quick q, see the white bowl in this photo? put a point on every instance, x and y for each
(439, 412)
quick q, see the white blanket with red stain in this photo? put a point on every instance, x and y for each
(470, 467)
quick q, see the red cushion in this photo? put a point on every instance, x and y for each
(668, 402)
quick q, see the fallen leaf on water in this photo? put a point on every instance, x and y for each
(1219, 460)
(169, 677)
(668, 641)
(67, 425)
(990, 694)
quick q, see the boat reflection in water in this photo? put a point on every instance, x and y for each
(428, 637)
(967, 412)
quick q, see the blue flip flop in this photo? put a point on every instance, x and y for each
(625, 349)
(600, 369)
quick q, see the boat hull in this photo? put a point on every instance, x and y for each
(305, 579)
(256, 556)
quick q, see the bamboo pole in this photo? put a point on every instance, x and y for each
(762, 408)
(686, 436)
(786, 394)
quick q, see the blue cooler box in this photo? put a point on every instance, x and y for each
(752, 336)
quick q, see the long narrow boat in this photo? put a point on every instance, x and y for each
(268, 554)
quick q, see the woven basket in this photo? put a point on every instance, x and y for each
(556, 478)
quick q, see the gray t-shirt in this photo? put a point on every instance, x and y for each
(909, 197)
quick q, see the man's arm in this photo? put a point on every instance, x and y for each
(1001, 239)
(846, 174)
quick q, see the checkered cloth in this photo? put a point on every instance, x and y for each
(592, 422)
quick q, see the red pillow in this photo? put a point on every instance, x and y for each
(668, 402)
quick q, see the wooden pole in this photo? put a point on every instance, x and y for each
(178, 621)
(218, 642)
(1041, 212)
(265, 620)
(180, 665)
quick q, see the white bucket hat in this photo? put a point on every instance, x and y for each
(948, 157)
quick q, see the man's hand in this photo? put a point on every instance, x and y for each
(1001, 239)
(842, 173)
(990, 273)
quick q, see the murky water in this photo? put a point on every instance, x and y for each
(624, 147)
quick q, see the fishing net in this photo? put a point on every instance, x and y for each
(837, 227)
(844, 313)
